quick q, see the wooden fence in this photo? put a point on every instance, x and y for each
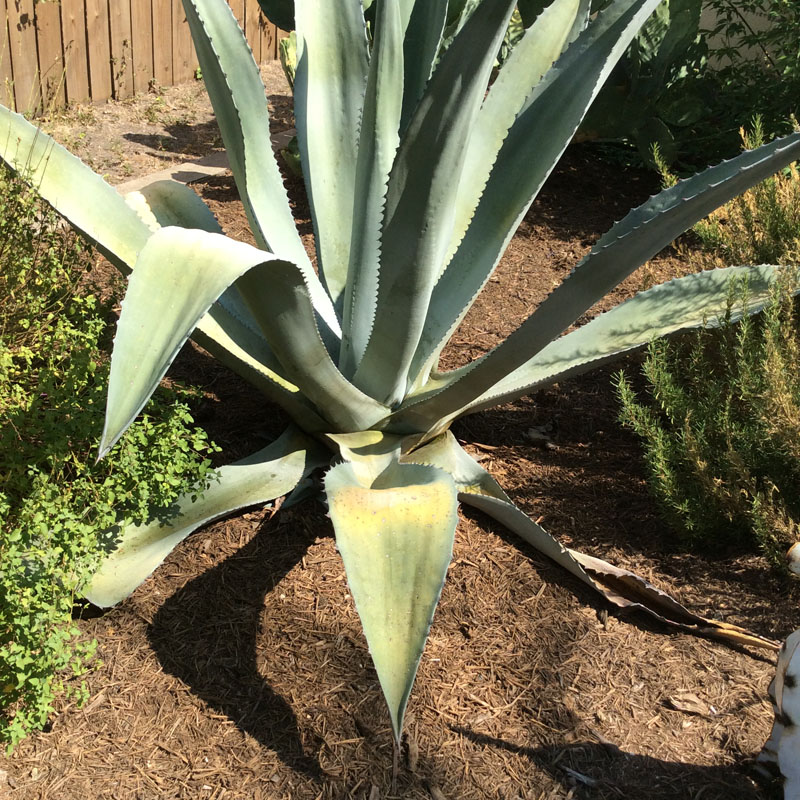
(61, 51)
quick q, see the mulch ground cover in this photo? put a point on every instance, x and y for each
(239, 671)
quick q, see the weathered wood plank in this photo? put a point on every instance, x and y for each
(119, 15)
(252, 13)
(6, 75)
(237, 6)
(99, 38)
(162, 42)
(76, 57)
(142, 35)
(183, 58)
(269, 39)
(51, 56)
(24, 61)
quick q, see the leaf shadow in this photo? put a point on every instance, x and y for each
(205, 635)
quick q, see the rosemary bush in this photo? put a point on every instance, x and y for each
(58, 509)
(720, 427)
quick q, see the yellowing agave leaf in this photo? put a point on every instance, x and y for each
(396, 540)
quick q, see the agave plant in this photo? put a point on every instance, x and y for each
(417, 177)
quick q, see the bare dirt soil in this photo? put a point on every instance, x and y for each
(239, 670)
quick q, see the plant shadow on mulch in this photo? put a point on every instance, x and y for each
(210, 645)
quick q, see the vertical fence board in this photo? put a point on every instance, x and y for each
(24, 63)
(251, 14)
(51, 55)
(162, 42)
(237, 6)
(6, 74)
(121, 51)
(98, 36)
(269, 41)
(142, 42)
(183, 58)
(76, 58)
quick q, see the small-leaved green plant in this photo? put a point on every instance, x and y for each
(720, 428)
(59, 511)
(419, 165)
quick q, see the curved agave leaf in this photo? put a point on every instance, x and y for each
(380, 137)
(94, 207)
(102, 215)
(329, 87)
(263, 476)
(629, 243)
(170, 203)
(237, 94)
(420, 200)
(165, 300)
(620, 587)
(165, 203)
(678, 305)
(395, 534)
(547, 122)
(282, 305)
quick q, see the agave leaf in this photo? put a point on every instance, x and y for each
(329, 87)
(239, 100)
(166, 299)
(681, 304)
(395, 534)
(629, 243)
(420, 200)
(549, 118)
(424, 25)
(263, 476)
(678, 305)
(619, 586)
(170, 203)
(94, 207)
(378, 143)
(530, 59)
(238, 97)
(280, 301)
(247, 353)
(164, 203)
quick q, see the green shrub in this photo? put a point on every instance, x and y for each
(720, 425)
(58, 509)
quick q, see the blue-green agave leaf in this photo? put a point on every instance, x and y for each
(379, 139)
(629, 243)
(681, 304)
(259, 478)
(420, 200)
(424, 26)
(544, 127)
(239, 100)
(330, 81)
(164, 203)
